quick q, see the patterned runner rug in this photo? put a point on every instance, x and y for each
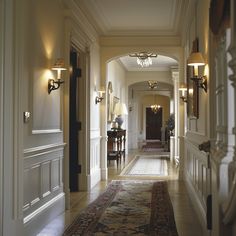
(128, 208)
(148, 165)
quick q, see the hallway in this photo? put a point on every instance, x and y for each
(72, 71)
(185, 217)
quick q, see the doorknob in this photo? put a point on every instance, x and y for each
(205, 146)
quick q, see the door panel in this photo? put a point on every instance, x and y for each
(74, 123)
(153, 124)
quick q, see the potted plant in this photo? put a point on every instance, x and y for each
(171, 124)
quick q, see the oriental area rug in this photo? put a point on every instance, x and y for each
(147, 165)
(128, 208)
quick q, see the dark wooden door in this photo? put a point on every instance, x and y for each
(153, 124)
(75, 125)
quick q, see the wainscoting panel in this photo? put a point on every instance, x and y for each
(95, 168)
(43, 186)
(197, 176)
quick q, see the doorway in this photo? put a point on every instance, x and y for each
(75, 124)
(153, 124)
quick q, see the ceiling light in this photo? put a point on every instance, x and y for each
(152, 84)
(155, 108)
(144, 59)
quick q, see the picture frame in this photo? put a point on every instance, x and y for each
(192, 95)
(109, 102)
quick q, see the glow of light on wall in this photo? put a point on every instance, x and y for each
(190, 91)
(47, 74)
(206, 70)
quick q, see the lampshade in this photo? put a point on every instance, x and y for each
(196, 59)
(59, 65)
(182, 87)
(120, 109)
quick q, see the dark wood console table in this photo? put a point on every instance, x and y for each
(116, 145)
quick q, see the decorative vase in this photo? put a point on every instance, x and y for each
(119, 121)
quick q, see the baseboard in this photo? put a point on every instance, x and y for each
(94, 178)
(40, 218)
(104, 173)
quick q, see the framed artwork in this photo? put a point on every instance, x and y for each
(109, 102)
(192, 95)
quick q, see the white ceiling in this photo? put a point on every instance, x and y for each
(137, 17)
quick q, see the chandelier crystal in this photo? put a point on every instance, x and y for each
(155, 108)
(144, 59)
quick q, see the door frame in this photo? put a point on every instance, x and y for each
(73, 37)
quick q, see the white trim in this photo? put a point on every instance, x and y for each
(42, 208)
(34, 222)
(2, 21)
(46, 131)
(32, 152)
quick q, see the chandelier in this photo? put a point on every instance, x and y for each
(152, 84)
(144, 59)
(155, 108)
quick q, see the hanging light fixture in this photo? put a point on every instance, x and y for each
(155, 107)
(152, 84)
(144, 59)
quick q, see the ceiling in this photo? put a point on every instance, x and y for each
(137, 18)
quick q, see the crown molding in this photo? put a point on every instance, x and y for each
(75, 13)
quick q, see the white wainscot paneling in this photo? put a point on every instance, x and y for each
(43, 187)
(95, 167)
(197, 176)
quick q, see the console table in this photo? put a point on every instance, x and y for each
(116, 145)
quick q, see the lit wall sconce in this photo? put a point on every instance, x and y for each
(100, 97)
(183, 89)
(196, 60)
(54, 84)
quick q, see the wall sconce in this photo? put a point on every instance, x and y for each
(100, 97)
(196, 60)
(183, 89)
(54, 84)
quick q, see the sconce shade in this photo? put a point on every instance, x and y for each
(120, 109)
(59, 65)
(196, 59)
(182, 87)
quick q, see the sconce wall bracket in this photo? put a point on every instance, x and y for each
(201, 82)
(98, 99)
(54, 84)
(184, 99)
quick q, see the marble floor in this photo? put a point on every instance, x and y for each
(185, 217)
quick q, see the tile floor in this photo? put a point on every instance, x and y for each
(185, 217)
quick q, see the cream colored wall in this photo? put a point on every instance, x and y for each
(116, 74)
